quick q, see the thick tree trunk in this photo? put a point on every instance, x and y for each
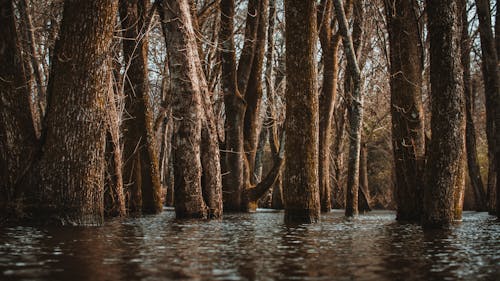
(470, 131)
(408, 140)
(140, 154)
(491, 85)
(69, 178)
(355, 113)
(444, 174)
(198, 186)
(17, 132)
(301, 191)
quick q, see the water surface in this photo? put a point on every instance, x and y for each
(254, 247)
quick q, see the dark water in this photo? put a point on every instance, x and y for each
(254, 247)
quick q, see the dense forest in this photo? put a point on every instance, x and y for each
(118, 108)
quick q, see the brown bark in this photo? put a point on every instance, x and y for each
(444, 174)
(491, 85)
(67, 182)
(140, 154)
(253, 94)
(235, 106)
(300, 189)
(470, 130)
(114, 198)
(17, 132)
(406, 107)
(330, 45)
(34, 60)
(198, 184)
(338, 194)
(363, 192)
(355, 113)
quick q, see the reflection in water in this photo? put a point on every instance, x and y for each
(254, 247)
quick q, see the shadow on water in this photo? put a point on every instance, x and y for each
(255, 246)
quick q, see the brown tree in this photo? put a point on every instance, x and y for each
(300, 189)
(492, 94)
(408, 140)
(355, 112)
(17, 132)
(198, 186)
(242, 89)
(66, 184)
(141, 171)
(444, 174)
(470, 130)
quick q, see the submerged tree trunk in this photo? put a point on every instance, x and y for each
(17, 132)
(492, 94)
(330, 45)
(66, 185)
(444, 174)
(355, 113)
(300, 189)
(140, 154)
(235, 106)
(470, 131)
(198, 183)
(408, 140)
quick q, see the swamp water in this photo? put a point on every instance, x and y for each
(256, 246)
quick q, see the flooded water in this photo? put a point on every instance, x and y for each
(254, 247)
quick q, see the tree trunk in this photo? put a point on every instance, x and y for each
(198, 186)
(69, 178)
(114, 198)
(470, 130)
(444, 175)
(140, 154)
(491, 85)
(17, 132)
(235, 106)
(408, 140)
(300, 189)
(330, 45)
(355, 113)
(363, 192)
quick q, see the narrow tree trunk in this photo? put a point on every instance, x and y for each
(330, 45)
(235, 106)
(69, 177)
(338, 194)
(301, 191)
(470, 131)
(17, 132)
(114, 199)
(355, 113)
(408, 140)
(445, 165)
(363, 192)
(491, 85)
(140, 154)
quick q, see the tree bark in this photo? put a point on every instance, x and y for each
(330, 45)
(355, 113)
(198, 186)
(408, 140)
(300, 189)
(235, 106)
(363, 192)
(470, 130)
(444, 174)
(140, 154)
(68, 179)
(18, 141)
(491, 85)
